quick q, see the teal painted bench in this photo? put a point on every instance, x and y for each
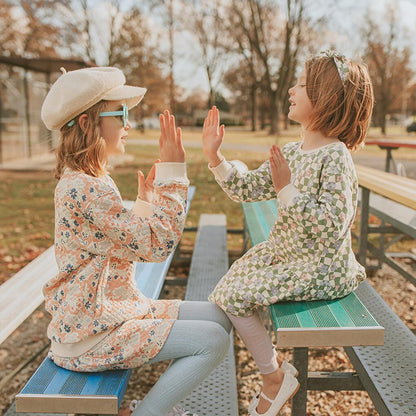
(341, 322)
(53, 389)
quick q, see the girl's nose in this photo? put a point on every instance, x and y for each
(291, 91)
(128, 125)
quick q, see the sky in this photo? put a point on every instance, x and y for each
(344, 17)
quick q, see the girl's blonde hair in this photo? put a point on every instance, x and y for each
(340, 109)
(83, 149)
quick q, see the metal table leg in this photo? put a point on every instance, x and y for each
(389, 159)
(300, 361)
(364, 215)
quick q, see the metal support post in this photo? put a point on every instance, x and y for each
(364, 216)
(300, 361)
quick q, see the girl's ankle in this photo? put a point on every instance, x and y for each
(273, 378)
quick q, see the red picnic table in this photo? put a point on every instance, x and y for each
(389, 145)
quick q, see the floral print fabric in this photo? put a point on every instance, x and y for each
(129, 345)
(308, 253)
(97, 242)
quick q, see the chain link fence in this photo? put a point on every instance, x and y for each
(22, 132)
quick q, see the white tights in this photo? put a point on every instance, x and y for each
(257, 340)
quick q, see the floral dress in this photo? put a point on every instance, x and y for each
(308, 253)
(100, 320)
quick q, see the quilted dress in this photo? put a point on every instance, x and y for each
(308, 253)
(100, 320)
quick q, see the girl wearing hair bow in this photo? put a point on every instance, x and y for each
(308, 254)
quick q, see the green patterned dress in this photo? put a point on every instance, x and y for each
(308, 254)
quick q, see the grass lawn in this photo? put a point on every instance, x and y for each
(27, 209)
(26, 198)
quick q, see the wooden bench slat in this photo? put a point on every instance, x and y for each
(25, 285)
(61, 383)
(399, 216)
(41, 378)
(398, 188)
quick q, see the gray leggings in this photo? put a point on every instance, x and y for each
(197, 343)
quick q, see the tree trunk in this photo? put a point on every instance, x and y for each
(262, 116)
(253, 107)
(274, 113)
(171, 60)
(383, 124)
(27, 114)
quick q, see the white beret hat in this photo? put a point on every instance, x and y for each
(76, 91)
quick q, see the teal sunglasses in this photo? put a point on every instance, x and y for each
(123, 114)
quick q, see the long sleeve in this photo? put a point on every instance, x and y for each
(97, 242)
(121, 233)
(254, 185)
(332, 210)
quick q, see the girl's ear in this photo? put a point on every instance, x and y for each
(83, 122)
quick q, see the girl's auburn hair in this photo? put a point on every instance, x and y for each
(82, 149)
(340, 109)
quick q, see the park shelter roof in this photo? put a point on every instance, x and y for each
(45, 65)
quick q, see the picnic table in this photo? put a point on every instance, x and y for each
(389, 145)
(391, 198)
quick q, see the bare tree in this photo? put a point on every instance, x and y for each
(168, 15)
(258, 22)
(388, 62)
(114, 28)
(39, 34)
(202, 19)
(86, 26)
(134, 51)
(8, 28)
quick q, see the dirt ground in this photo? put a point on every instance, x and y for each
(30, 338)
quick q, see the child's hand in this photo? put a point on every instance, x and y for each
(145, 187)
(280, 169)
(212, 137)
(170, 141)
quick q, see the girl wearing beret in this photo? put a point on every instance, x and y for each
(100, 320)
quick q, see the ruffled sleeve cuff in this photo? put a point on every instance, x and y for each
(171, 170)
(222, 171)
(142, 208)
(288, 194)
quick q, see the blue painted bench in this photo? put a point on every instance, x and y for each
(357, 322)
(53, 389)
